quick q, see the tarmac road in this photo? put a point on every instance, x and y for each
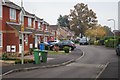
(92, 65)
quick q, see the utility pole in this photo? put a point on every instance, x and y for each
(22, 30)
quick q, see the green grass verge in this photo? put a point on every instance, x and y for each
(54, 52)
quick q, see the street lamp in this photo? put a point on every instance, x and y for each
(114, 29)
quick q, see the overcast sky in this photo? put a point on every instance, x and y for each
(51, 9)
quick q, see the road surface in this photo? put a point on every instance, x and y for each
(91, 65)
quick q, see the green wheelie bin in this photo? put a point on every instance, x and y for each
(37, 56)
(44, 55)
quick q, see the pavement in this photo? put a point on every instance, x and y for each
(54, 60)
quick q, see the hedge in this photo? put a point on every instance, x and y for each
(110, 43)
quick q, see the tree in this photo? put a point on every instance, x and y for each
(83, 17)
(97, 32)
(63, 21)
(108, 31)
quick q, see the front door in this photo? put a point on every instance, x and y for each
(20, 46)
(36, 42)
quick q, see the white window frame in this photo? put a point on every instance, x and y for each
(29, 22)
(12, 14)
(1, 39)
(0, 10)
(21, 18)
(39, 25)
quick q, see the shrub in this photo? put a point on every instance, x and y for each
(66, 49)
(96, 42)
(56, 48)
(91, 42)
(76, 41)
(46, 47)
(110, 43)
(31, 51)
(4, 56)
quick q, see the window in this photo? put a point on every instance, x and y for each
(0, 39)
(29, 22)
(13, 14)
(0, 10)
(39, 25)
(21, 17)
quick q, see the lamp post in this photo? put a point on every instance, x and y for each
(114, 29)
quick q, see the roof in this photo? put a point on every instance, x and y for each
(38, 19)
(11, 4)
(27, 13)
(54, 27)
(17, 27)
(14, 26)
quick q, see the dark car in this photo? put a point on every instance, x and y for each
(68, 43)
(118, 50)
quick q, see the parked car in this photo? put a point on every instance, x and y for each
(52, 43)
(83, 41)
(118, 50)
(68, 43)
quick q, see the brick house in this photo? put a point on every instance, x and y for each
(13, 19)
(65, 33)
(60, 32)
(1, 45)
(54, 31)
(117, 32)
(10, 14)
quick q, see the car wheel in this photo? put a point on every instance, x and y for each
(118, 53)
(72, 48)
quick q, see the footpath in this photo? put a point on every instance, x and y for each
(53, 61)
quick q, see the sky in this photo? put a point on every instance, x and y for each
(50, 10)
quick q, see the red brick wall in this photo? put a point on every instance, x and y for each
(17, 16)
(0, 25)
(44, 26)
(36, 24)
(32, 22)
(30, 40)
(5, 17)
(25, 21)
(10, 39)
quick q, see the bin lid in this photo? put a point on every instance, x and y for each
(36, 50)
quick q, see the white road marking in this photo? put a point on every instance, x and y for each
(86, 65)
(81, 56)
(101, 71)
